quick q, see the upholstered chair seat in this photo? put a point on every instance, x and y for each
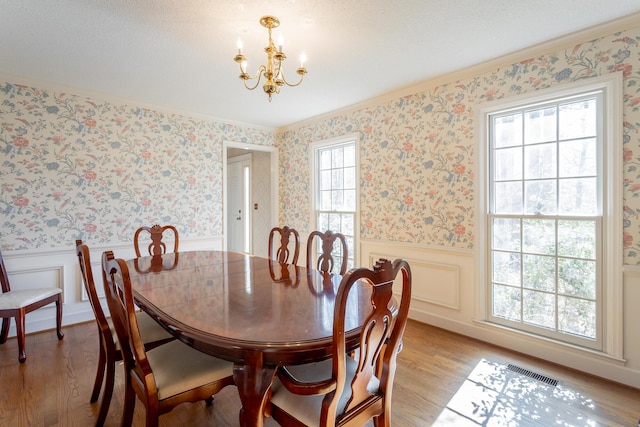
(13, 300)
(178, 367)
(307, 409)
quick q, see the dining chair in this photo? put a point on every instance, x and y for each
(109, 354)
(156, 233)
(326, 261)
(17, 303)
(283, 253)
(165, 376)
(345, 390)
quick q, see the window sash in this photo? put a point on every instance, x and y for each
(520, 282)
(509, 175)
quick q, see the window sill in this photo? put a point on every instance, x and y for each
(556, 345)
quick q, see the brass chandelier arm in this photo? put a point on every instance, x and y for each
(301, 72)
(258, 77)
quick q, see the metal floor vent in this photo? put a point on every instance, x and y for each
(539, 377)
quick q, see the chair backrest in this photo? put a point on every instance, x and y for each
(84, 259)
(380, 342)
(283, 253)
(4, 278)
(156, 232)
(117, 286)
(326, 261)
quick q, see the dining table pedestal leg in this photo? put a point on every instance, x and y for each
(253, 381)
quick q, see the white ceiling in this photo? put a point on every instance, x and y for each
(178, 54)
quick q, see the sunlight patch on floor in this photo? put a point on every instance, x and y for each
(495, 396)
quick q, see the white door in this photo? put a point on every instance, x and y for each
(263, 197)
(238, 202)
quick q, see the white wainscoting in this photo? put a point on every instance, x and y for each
(443, 286)
(444, 293)
(442, 282)
(59, 267)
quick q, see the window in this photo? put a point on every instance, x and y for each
(551, 204)
(335, 172)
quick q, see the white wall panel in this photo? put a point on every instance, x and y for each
(442, 287)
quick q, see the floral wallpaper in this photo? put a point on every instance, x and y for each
(73, 167)
(417, 152)
(77, 167)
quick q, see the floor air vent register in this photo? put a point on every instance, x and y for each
(536, 376)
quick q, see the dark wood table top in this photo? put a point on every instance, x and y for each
(250, 310)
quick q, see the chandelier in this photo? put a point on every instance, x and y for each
(272, 71)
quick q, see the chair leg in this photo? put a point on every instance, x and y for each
(108, 391)
(4, 333)
(152, 418)
(59, 317)
(97, 384)
(22, 356)
(129, 403)
(153, 412)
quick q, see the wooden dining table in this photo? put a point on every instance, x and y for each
(250, 310)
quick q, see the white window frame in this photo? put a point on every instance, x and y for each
(612, 201)
(313, 220)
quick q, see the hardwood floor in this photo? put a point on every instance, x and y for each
(442, 379)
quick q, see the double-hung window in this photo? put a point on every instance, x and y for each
(552, 230)
(335, 172)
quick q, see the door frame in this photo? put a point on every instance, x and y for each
(274, 205)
